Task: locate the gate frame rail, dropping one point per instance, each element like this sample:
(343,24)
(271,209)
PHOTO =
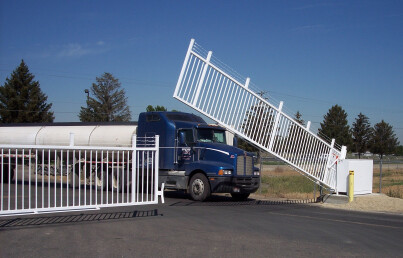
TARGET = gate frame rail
(69,208)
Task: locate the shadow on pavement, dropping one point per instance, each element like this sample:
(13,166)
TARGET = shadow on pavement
(54,220)
(221,200)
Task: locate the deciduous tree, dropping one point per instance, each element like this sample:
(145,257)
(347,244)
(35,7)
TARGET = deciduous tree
(156,108)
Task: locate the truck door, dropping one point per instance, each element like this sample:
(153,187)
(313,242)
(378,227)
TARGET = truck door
(185,143)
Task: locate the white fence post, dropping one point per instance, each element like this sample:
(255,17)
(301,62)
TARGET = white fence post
(134,169)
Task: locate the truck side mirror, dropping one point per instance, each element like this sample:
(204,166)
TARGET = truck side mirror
(235,141)
(182,141)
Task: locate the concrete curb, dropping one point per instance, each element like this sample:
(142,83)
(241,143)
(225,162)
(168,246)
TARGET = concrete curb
(334,198)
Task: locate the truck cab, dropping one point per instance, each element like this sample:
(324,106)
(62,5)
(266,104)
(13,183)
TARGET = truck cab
(195,157)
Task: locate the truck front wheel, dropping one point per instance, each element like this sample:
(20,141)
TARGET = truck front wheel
(199,187)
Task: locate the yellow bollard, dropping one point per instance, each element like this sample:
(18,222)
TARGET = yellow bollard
(351,186)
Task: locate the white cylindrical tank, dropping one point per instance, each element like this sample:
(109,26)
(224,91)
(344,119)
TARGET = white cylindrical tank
(23,135)
(117,136)
(84,135)
(60,135)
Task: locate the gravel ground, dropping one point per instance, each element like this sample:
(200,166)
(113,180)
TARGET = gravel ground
(370,203)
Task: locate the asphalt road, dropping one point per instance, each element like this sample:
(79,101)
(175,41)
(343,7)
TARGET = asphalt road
(219,228)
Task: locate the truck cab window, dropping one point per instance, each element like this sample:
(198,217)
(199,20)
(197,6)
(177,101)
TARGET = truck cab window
(210,135)
(188,136)
(219,136)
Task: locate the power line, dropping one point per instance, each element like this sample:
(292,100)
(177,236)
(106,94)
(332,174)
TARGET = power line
(122,79)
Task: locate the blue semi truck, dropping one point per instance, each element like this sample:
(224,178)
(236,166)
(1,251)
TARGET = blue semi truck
(195,157)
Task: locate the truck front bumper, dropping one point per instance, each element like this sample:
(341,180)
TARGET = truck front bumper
(234,184)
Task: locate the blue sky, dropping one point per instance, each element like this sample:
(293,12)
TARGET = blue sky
(310,54)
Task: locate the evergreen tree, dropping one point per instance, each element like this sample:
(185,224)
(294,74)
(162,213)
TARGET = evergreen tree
(383,141)
(109,102)
(298,118)
(156,108)
(361,133)
(335,126)
(21,99)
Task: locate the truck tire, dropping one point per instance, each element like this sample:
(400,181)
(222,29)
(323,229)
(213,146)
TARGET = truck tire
(199,187)
(74,179)
(113,182)
(100,180)
(240,196)
(6,177)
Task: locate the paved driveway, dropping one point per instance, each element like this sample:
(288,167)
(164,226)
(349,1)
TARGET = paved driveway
(219,228)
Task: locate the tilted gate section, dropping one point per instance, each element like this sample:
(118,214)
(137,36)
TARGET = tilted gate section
(205,85)
(46,179)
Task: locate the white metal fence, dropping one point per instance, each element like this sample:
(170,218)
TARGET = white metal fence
(36,179)
(211,88)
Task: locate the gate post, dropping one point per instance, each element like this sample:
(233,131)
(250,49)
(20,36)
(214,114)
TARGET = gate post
(156,172)
(274,131)
(134,162)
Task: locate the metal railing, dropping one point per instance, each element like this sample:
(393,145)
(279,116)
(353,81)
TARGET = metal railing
(214,90)
(37,179)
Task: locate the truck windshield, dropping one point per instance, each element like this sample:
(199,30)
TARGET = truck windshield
(210,135)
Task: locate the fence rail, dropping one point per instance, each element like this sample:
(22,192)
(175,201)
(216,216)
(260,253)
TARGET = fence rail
(36,179)
(206,85)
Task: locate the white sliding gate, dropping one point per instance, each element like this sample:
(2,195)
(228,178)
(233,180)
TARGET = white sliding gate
(214,90)
(39,179)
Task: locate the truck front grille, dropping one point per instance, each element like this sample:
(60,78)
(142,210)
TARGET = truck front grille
(244,166)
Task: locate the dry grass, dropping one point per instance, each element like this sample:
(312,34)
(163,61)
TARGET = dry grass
(392,180)
(281,181)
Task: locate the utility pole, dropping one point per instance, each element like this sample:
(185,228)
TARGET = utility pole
(88,95)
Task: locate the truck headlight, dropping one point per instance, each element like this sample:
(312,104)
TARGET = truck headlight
(226,172)
(256,173)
